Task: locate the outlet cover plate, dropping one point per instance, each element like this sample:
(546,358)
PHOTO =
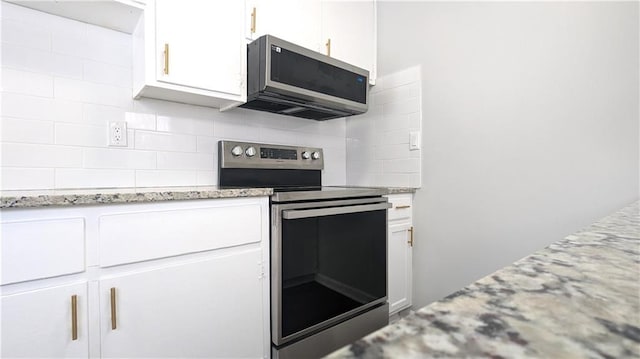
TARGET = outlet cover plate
(118,133)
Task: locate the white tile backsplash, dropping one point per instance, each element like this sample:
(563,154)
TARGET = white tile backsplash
(64,81)
(378,141)
(28,83)
(27,178)
(26,131)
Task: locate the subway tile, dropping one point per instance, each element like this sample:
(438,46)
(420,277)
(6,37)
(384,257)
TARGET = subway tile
(160,141)
(39,108)
(401,107)
(27,83)
(415,180)
(109,46)
(390,152)
(101,115)
(393,137)
(403,77)
(16,32)
(27,131)
(35,155)
(207,144)
(392,180)
(27,178)
(108,74)
(406,165)
(392,122)
(93,178)
(185,161)
(118,158)
(232,130)
(41,61)
(141,121)
(192,126)
(398,94)
(415,121)
(156,178)
(207,178)
(88,92)
(81,135)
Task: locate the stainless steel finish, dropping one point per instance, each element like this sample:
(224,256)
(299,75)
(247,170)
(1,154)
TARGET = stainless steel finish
(230,160)
(333,338)
(236,151)
(327,193)
(250,152)
(308,95)
(307,213)
(277,210)
(315,155)
(306,155)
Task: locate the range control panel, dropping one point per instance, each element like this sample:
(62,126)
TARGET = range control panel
(233,154)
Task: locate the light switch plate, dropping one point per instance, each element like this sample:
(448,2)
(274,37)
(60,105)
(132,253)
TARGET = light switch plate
(414,140)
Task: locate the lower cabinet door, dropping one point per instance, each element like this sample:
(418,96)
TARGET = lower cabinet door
(45,323)
(400,266)
(209,309)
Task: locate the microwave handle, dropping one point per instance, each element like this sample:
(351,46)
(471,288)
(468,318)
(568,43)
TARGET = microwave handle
(319,212)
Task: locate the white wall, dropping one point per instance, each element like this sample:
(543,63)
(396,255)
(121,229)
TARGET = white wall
(63,81)
(378,152)
(530,126)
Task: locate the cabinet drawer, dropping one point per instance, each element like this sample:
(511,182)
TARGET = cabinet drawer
(36,249)
(401,207)
(135,237)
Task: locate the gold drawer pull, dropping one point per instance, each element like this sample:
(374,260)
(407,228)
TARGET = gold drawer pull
(328,45)
(166,59)
(74,317)
(411,237)
(403,207)
(113,309)
(253,20)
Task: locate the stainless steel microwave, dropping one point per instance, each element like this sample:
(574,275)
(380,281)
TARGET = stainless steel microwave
(288,79)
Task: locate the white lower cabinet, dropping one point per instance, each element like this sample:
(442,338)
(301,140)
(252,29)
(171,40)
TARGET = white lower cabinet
(209,308)
(400,251)
(41,323)
(171,279)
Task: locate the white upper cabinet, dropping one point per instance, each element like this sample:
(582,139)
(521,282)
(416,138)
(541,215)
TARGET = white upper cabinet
(345,30)
(296,21)
(191,51)
(349,33)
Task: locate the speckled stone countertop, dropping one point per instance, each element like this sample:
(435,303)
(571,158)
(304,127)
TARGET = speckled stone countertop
(577,298)
(74,197)
(89,196)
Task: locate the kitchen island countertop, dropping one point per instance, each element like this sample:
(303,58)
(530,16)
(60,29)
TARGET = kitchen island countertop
(577,298)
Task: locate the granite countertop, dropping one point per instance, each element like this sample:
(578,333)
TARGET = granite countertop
(577,298)
(89,196)
(73,197)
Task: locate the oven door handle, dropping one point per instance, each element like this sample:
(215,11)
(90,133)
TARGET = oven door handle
(319,212)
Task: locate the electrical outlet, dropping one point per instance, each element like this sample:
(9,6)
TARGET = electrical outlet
(118,133)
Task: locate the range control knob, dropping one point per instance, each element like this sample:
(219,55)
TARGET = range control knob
(250,152)
(306,155)
(315,155)
(236,151)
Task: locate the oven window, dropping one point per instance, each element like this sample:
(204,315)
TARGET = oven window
(331,265)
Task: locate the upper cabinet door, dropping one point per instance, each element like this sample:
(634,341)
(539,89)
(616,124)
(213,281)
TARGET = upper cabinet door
(197,45)
(296,21)
(351,28)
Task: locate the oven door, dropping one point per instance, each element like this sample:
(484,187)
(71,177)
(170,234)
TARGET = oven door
(328,264)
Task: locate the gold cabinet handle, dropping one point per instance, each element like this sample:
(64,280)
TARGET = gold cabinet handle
(403,207)
(411,237)
(253,20)
(74,317)
(113,309)
(166,59)
(328,45)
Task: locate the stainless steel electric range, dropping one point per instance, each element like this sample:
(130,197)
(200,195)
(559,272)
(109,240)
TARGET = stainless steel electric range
(328,248)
